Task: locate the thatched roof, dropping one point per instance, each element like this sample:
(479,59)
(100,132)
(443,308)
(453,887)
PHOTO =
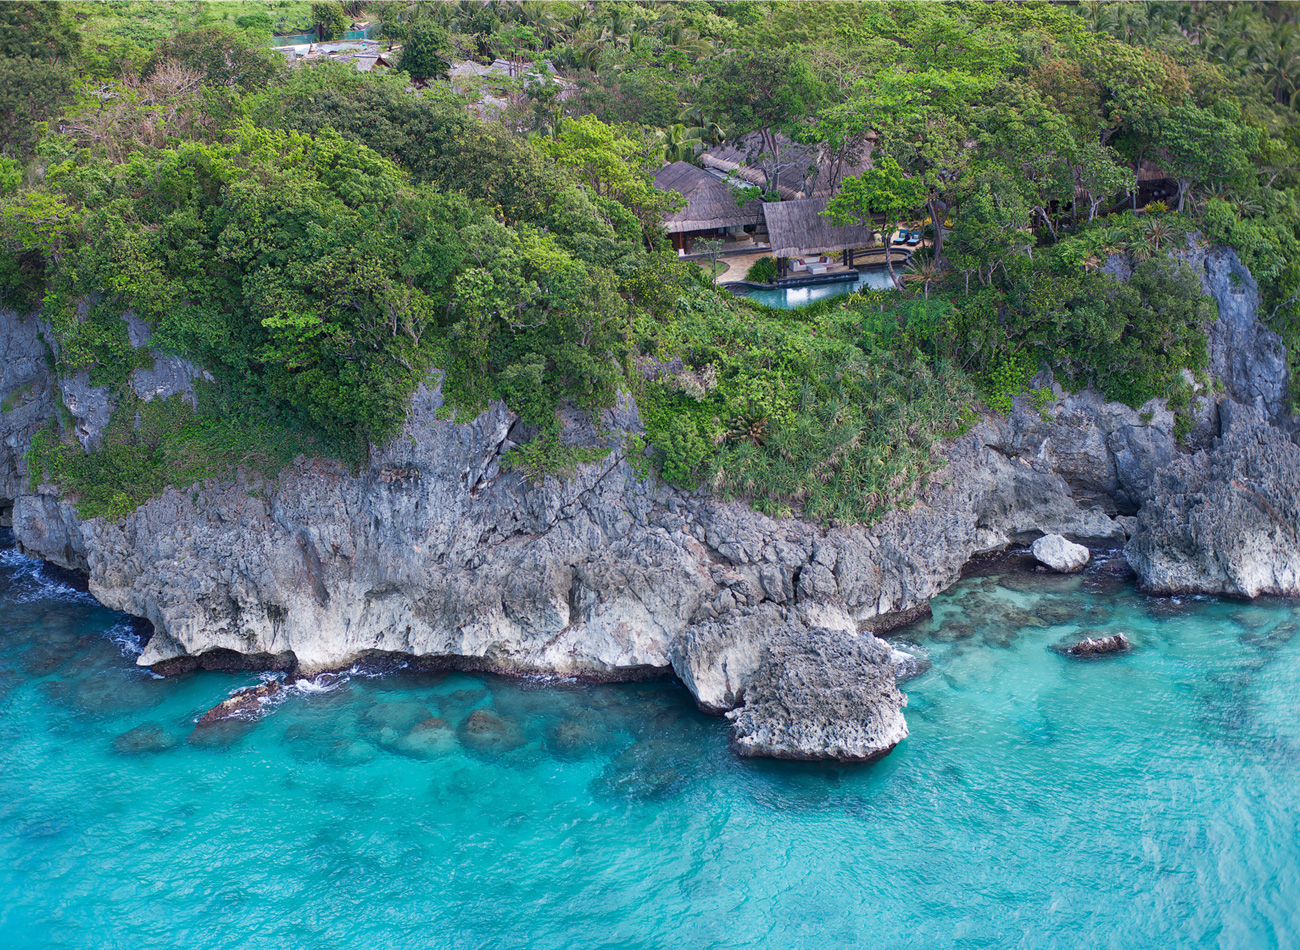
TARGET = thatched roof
(1150,171)
(799,229)
(801,170)
(710,203)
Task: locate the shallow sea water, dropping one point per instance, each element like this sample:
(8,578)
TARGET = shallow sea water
(1144,800)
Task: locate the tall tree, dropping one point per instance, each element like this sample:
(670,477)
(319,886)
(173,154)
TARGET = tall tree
(766,91)
(30,92)
(883,190)
(426,54)
(925,126)
(329,19)
(41,30)
(1203,145)
(1099,175)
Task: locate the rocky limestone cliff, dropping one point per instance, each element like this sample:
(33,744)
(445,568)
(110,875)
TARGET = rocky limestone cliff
(433,550)
(1225,521)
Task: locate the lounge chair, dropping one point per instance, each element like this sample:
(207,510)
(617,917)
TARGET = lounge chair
(914,238)
(901,236)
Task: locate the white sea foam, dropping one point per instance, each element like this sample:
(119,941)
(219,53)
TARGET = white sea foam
(322,683)
(30,583)
(127,639)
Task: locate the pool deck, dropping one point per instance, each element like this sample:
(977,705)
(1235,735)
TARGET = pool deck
(738,265)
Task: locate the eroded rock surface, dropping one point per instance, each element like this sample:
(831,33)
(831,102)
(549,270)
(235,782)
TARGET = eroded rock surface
(820,690)
(1225,521)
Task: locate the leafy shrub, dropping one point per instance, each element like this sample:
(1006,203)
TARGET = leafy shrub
(762,271)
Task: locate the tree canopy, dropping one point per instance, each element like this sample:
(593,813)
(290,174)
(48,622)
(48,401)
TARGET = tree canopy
(323,240)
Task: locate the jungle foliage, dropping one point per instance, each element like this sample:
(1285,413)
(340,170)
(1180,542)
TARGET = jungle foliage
(322,239)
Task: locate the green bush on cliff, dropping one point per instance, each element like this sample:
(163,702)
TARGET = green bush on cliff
(793,413)
(321,239)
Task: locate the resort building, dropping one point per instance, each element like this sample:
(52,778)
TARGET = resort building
(804,240)
(711,209)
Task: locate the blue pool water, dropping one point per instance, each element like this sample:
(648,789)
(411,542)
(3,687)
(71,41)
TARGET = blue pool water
(1142,801)
(788,298)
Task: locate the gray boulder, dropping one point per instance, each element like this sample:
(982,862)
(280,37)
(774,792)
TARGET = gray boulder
(91,408)
(1060,554)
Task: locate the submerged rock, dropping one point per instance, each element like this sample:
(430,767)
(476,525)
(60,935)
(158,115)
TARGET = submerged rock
(221,734)
(145,740)
(1060,554)
(398,716)
(429,739)
(488,732)
(648,771)
(580,735)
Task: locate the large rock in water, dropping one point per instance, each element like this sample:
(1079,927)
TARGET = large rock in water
(802,683)
(1060,554)
(1225,521)
(820,690)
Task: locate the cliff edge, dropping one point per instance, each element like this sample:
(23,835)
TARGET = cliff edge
(434,550)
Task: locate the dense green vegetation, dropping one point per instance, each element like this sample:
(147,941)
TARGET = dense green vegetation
(322,239)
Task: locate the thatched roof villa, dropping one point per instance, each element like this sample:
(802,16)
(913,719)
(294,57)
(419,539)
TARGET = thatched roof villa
(799,229)
(711,209)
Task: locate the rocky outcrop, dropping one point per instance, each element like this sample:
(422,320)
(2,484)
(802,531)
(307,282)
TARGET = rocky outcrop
(27,399)
(1246,356)
(247,703)
(820,690)
(1226,520)
(1100,646)
(435,550)
(1054,551)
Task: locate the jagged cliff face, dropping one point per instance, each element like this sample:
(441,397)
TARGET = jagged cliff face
(434,551)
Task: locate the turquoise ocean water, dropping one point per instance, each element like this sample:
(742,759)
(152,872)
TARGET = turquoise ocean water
(1146,800)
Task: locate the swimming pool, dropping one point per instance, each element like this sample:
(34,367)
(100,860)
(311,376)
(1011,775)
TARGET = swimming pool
(789,298)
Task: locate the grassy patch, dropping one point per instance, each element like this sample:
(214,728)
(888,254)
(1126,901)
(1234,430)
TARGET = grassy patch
(15,398)
(150,446)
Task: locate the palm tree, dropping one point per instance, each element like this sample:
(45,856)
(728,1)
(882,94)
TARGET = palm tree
(707,131)
(923,272)
(541,16)
(680,144)
(1279,64)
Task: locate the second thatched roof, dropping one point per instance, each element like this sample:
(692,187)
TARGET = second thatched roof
(799,229)
(709,202)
